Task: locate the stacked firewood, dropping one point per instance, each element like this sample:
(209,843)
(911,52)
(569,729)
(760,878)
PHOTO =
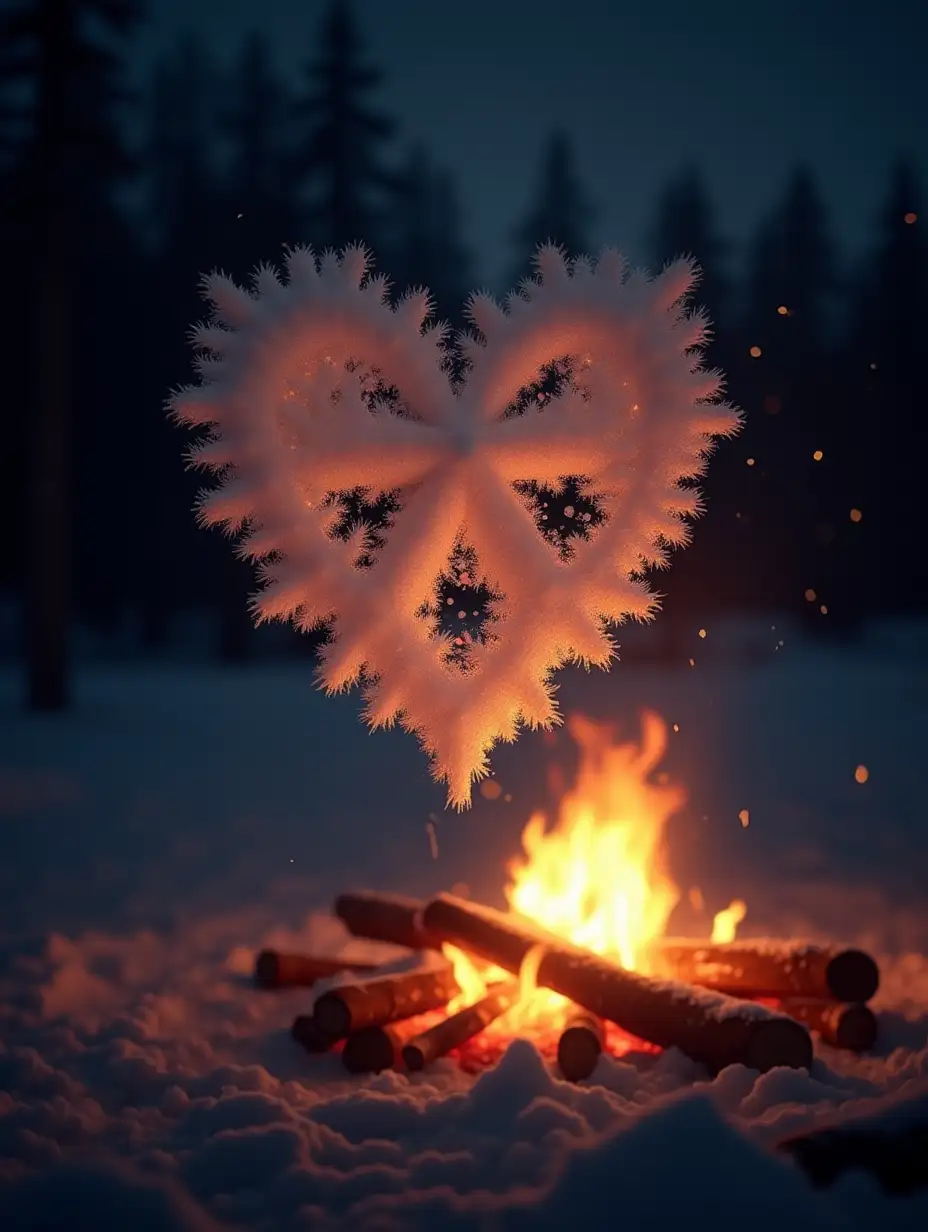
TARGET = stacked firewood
(750,1003)
(825,987)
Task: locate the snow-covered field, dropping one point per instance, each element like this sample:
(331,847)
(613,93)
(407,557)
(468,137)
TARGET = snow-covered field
(182,817)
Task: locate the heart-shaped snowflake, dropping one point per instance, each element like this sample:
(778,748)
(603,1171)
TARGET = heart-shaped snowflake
(296,381)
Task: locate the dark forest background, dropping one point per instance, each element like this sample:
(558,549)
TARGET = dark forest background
(812,512)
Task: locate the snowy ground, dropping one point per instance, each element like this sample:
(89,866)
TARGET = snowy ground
(183,817)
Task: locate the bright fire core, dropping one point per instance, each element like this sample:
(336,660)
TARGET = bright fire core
(598,877)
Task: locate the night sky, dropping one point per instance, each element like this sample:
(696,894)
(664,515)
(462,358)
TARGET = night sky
(742,89)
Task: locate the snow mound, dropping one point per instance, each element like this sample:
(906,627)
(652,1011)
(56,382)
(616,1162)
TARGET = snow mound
(146,1082)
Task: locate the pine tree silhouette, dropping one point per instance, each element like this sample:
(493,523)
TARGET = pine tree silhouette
(784,373)
(454,261)
(412,245)
(684,226)
(704,577)
(72,154)
(258,219)
(429,250)
(259,206)
(885,401)
(560,212)
(16,264)
(792,265)
(191,225)
(184,187)
(338,157)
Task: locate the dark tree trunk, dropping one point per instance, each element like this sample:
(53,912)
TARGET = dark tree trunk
(71,158)
(49,557)
(48,580)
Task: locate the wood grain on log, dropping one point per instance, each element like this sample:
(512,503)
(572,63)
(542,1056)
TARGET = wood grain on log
(853,1027)
(460,1027)
(274,969)
(371,1050)
(580,1046)
(770,969)
(707,1026)
(307,1035)
(384,999)
(392,918)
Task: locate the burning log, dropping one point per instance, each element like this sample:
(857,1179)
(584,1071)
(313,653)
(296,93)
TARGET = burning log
(853,1027)
(580,1046)
(708,1027)
(460,1027)
(307,1034)
(392,918)
(384,999)
(371,1050)
(274,969)
(771,969)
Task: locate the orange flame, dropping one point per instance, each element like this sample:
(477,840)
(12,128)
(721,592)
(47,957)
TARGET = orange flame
(726,922)
(598,877)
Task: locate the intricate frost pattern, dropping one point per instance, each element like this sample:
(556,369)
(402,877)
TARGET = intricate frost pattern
(316,386)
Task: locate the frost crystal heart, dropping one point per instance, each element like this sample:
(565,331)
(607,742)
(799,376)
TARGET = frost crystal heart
(317,385)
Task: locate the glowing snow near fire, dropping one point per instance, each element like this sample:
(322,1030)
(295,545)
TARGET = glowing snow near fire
(598,876)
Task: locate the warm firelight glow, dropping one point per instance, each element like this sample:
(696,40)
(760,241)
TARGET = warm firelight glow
(597,876)
(725,924)
(470,981)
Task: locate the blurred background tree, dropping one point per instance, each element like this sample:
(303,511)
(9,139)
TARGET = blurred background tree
(231,164)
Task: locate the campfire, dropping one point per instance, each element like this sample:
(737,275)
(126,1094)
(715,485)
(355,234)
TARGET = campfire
(580,963)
